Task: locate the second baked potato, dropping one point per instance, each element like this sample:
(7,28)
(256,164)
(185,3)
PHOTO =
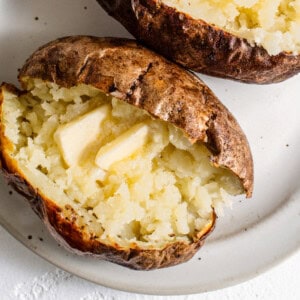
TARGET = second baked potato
(124,155)
(255,41)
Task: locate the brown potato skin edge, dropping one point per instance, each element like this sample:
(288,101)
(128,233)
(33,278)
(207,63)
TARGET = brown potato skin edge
(79,241)
(138,76)
(198,45)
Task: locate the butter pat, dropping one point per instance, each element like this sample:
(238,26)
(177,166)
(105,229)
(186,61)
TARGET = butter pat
(123,146)
(72,138)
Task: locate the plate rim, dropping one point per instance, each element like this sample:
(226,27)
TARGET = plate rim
(152,291)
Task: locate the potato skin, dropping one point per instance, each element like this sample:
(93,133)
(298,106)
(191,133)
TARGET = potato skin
(139,77)
(200,46)
(130,72)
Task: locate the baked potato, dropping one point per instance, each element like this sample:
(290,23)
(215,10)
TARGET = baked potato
(255,41)
(124,155)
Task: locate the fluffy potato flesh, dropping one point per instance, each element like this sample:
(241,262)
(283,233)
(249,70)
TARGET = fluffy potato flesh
(133,180)
(275,25)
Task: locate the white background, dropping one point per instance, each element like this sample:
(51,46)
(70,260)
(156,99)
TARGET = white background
(25,276)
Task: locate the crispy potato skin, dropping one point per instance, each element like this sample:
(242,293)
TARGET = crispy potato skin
(126,70)
(139,77)
(199,46)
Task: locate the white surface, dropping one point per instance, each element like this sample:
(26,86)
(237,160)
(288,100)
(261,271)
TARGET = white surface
(25,276)
(249,239)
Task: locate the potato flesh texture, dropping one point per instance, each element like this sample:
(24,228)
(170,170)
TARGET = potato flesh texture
(159,195)
(275,25)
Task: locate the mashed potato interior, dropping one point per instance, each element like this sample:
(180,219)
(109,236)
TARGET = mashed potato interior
(149,187)
(275,25)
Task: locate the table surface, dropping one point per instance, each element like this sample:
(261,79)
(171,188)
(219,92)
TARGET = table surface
(25,276)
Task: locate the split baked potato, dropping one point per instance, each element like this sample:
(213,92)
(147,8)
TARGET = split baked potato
(124,155)
(254,41)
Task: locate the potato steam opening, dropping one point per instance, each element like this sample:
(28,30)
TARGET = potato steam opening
(123,176)
(275,25)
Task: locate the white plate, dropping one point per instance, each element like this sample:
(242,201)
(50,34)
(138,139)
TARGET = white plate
(251,238)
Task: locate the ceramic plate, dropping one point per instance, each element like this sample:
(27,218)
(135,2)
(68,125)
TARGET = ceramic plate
(249,239)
